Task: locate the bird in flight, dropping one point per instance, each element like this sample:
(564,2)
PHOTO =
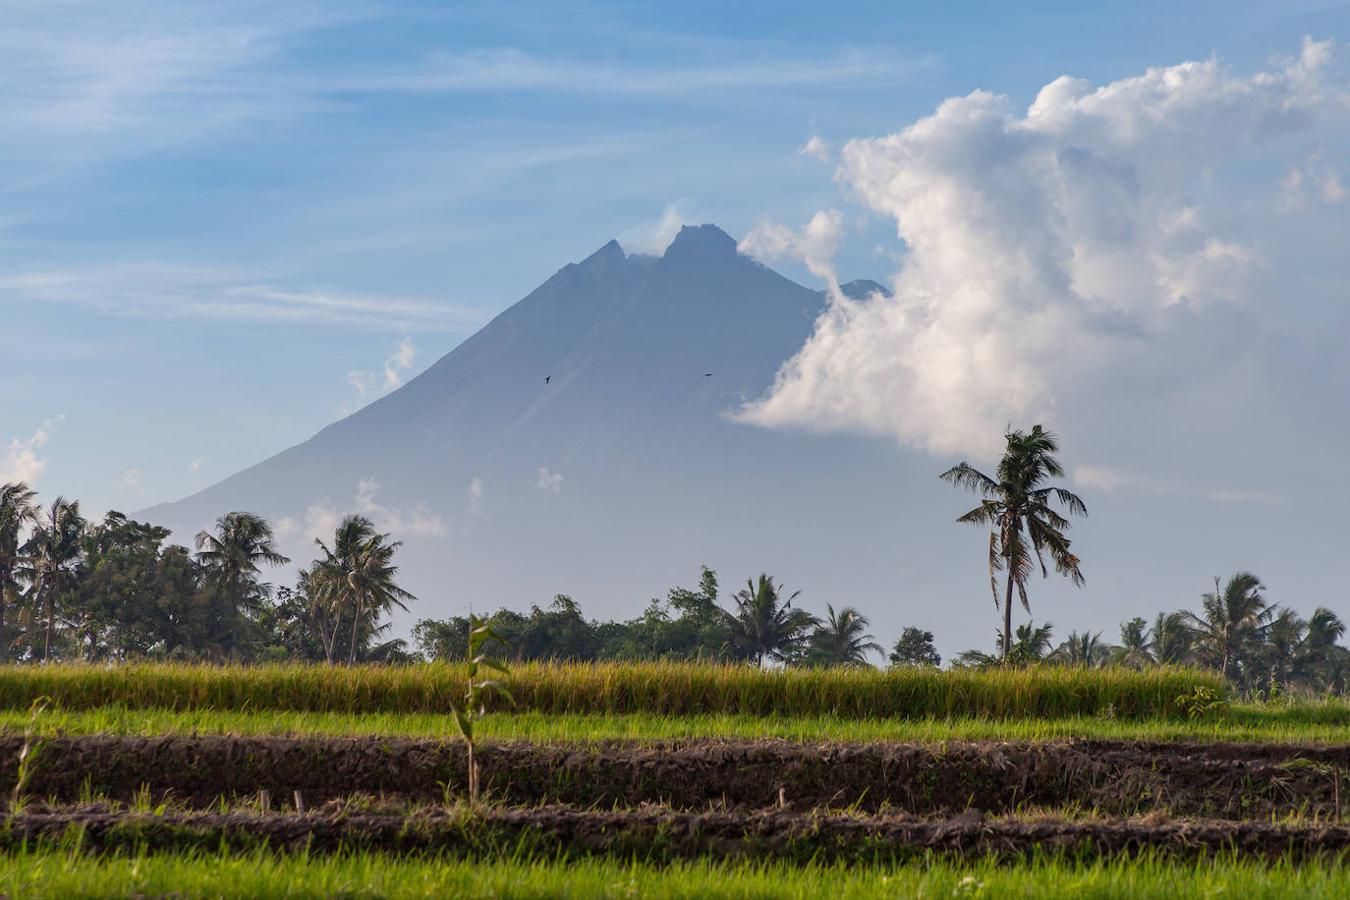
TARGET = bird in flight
(547,378)
(707,374)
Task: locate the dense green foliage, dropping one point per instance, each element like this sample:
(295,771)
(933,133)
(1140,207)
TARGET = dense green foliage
(658,688)
(115,590)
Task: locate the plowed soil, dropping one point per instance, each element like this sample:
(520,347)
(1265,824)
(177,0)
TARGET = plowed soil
(1225,781)
(660,835)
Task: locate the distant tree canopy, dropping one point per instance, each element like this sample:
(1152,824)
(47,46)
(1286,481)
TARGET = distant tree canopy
(915,648)
(115,590)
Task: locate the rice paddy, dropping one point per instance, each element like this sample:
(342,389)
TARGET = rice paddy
(60,874)
(669,780)
(659,689)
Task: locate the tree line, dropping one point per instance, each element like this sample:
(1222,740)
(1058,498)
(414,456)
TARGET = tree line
(114,589)
(1263,648)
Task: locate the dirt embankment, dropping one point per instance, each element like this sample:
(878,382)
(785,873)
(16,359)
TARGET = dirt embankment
(662,835)
(1231,781)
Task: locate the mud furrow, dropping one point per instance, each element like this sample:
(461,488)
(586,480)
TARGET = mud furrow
(665,835)
(1231,781)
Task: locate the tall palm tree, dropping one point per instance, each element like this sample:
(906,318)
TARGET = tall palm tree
(1032,644)
(1170,638)
(1017,507)
(17,511)
(766,625)
(841,639)
(356,578)
(231,559)
(1084,650)
(51,554)
(1318,654)
(1233,621)
(1283,647)
(1135,650)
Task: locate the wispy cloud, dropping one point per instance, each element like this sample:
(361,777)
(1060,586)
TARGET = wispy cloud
(139,74)
(816,148)
(1110,479)
(510,69)
(132,482)
(655,236)
(549,480)
(395,366)
(321,518)
(165,292)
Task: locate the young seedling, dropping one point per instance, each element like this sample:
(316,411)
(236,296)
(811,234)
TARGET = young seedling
(28,753)
(478,691)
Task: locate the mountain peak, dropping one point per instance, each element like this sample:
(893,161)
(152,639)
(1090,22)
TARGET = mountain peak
(607,255)
(701,242)
(862,288)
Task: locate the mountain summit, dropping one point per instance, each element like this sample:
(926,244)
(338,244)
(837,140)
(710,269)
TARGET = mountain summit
(580,443)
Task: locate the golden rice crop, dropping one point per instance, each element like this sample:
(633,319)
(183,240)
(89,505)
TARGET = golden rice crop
(659,688)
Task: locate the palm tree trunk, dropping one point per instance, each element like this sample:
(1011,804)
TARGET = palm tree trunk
(5,576)
(47,641)
(1007,617)
(330,641)
(356,623)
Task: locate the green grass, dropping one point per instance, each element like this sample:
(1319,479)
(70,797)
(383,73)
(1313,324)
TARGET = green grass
(653,688)
(1301,723)
(51,874)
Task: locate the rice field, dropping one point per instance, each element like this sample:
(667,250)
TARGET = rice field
(1295,723)
(657,689)
(658,780)
(59,874)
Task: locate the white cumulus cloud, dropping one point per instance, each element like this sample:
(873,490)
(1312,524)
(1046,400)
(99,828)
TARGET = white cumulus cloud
(815,243)
(1050,253)
(21,461)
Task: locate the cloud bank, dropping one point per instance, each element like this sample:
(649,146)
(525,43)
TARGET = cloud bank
(1086,243)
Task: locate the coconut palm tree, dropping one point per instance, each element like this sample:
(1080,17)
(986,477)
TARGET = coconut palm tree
(1233,622)
(1319,651)
(1170,639)
(1032,644)
(1023,526)
(1135,650)
(765,625)
(17,512)
(51,555)
(1083,650)
(1297,652)
(231,560)
(355,579)
(841,639)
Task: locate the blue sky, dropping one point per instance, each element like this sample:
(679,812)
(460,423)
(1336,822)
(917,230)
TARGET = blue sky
(224,225)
